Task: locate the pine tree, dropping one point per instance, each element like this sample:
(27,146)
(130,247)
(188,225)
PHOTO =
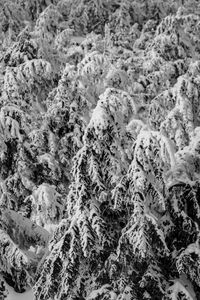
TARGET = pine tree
(88,198)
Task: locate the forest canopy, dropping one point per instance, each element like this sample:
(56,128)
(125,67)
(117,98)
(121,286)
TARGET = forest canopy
(100,149)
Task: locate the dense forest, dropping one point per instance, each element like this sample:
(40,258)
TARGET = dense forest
(100,149)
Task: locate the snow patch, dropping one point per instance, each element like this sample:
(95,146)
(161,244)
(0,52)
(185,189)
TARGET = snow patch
(18,296)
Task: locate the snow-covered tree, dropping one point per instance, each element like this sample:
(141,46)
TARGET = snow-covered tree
(96,168)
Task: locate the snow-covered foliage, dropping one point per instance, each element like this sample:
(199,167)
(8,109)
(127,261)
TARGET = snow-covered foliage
(99,149)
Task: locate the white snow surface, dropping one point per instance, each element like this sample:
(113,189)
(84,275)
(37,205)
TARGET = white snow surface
(17,296)
(12,295)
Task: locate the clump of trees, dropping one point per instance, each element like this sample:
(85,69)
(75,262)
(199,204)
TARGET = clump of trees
(99,149)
